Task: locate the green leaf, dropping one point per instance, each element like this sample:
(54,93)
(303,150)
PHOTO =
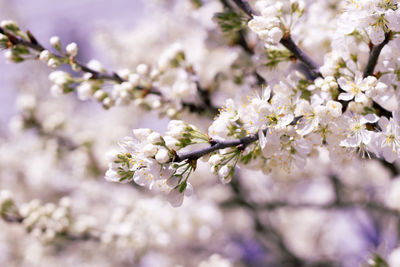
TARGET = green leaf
(276,56)
(230,21)
(197,3)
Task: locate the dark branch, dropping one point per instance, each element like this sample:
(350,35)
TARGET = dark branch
(240,143)
(288,42)
(245,6)
(369,70)
(35,45)
(216,145)
(374,55)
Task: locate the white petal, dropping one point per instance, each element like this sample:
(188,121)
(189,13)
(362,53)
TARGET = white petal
(389,155)
(346,96)
(369,118)
(343,83)
(361,98)
(377,35)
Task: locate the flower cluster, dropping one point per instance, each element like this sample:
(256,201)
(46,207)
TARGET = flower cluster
(377,17)
(45,221)
(147,159)
(272,24)
(279,129)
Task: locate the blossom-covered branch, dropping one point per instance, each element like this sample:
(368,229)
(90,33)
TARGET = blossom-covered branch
(46,221)
(270,28)
(127,86)
(32,43)
(217,145)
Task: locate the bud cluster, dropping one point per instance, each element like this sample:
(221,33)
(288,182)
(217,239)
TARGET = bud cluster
(147,158)
(45,221)
(276,18)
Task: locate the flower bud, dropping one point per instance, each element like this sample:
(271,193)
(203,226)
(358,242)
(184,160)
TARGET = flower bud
(149,150)
(142,69)
(100,94)
(72,49)
(44,56)
(162,155)
(53,63)
(55,42)
(142,133)
(215,159)
(154,138)
(95,65)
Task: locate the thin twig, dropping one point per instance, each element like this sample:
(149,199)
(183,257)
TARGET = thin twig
(204,107)
(39,48)
(245,6)
(287,42)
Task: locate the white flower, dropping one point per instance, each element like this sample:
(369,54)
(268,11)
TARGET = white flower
(53,63)
(44,56)
(85,90)
(215,159)
(334,108)
(275,35)
(354,89)
(267,27)
(95,65)
(142,133)
(175,197)
(72,49)
(223,173)
(219,128)
(142,69)
(377,35)
(176,129)
(134,79)
(154,138)
(357,134)
(149,150)
(162,155)
(55,41)
(132,163)
(60,77)
(390,137)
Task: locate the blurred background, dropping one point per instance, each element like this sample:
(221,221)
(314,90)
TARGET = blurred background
(72,20)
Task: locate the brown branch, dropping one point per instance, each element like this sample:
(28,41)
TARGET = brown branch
(245,6)
(374,55)
(36,46)
(216,145)
(288,42)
